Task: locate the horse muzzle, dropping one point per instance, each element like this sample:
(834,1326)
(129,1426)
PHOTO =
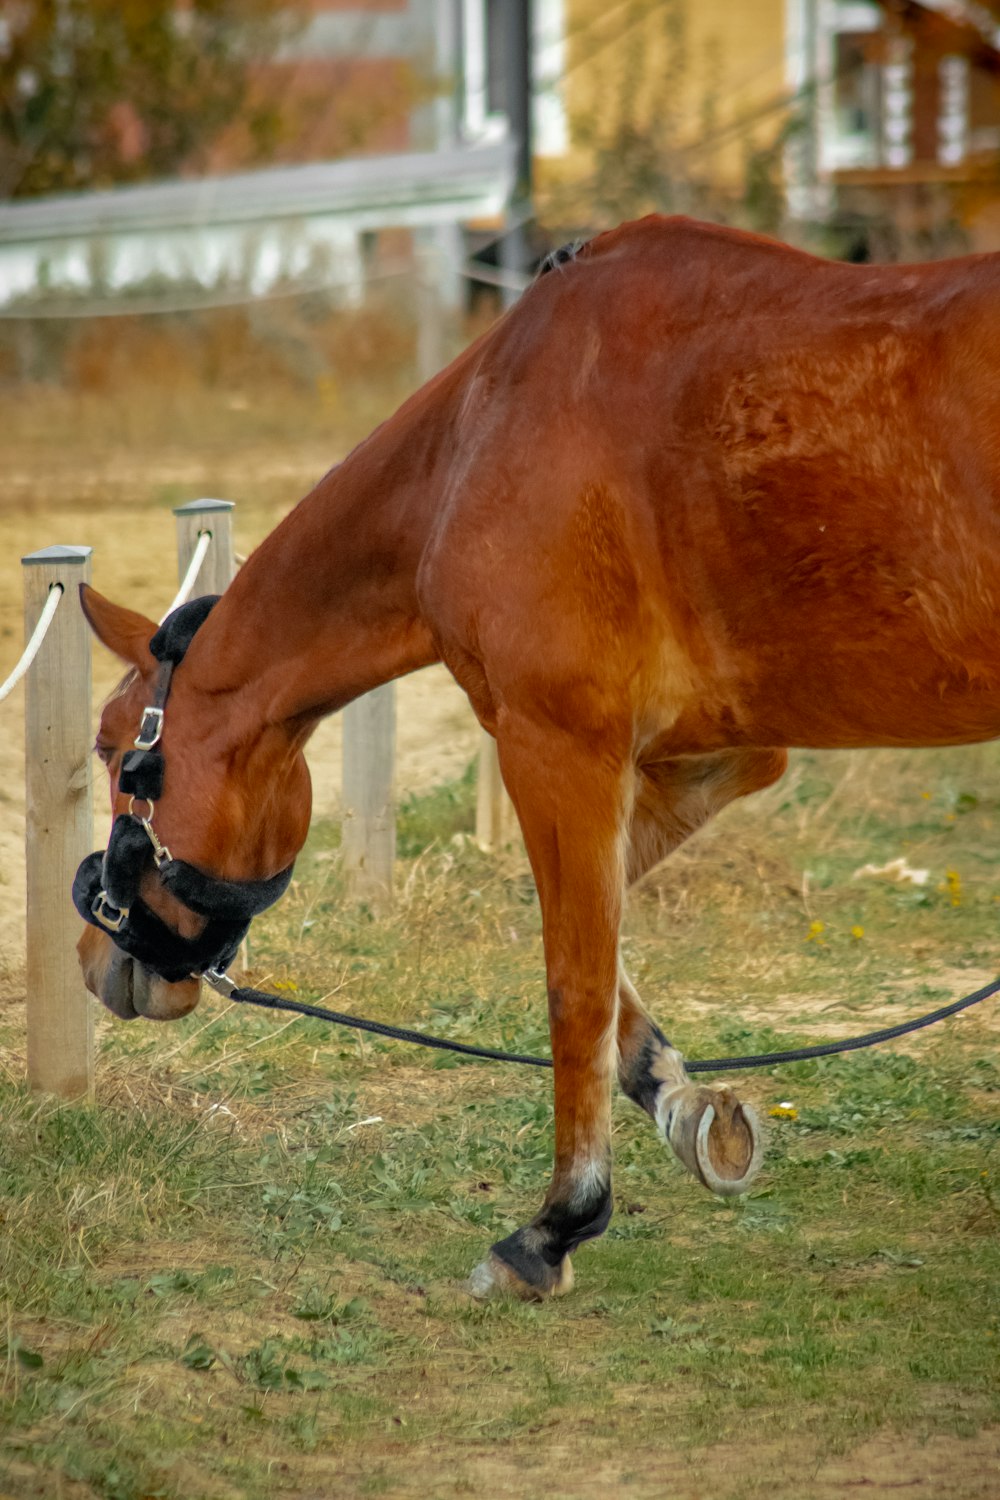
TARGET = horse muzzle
(113,905)
(127,989)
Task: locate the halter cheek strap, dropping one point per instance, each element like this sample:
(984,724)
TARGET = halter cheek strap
(121,868)
(234,900)
(106,888)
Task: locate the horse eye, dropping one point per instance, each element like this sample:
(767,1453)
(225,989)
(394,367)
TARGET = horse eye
(104,751)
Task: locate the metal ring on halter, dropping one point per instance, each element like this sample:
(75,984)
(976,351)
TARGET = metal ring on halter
(161,854)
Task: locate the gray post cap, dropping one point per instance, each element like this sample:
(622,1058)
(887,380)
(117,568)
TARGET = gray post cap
(201,507)
(66,555)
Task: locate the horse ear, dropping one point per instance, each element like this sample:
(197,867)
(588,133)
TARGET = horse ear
(123,631)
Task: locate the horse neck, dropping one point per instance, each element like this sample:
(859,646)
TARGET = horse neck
(326,608)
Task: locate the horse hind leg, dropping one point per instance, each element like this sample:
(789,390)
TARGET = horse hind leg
(710,1131)
(715,1136)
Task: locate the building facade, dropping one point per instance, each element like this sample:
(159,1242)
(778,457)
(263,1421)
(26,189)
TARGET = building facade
(877,121)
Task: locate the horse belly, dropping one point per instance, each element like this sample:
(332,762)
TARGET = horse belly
(892,663)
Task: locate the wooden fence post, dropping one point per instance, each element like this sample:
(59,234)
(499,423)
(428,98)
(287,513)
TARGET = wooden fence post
(58,824)
(369,815)
(368,830)
(496,820)
(431,332)
(218,569)
(489,791)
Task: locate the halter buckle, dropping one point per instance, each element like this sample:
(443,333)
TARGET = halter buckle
(150,728)
(220,982)
(102,910)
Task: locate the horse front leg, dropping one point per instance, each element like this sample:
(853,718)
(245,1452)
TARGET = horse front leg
(573,808)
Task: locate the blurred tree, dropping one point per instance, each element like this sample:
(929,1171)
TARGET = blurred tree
(636,140)
(98,92)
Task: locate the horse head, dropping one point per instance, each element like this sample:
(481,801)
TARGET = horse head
(210,800)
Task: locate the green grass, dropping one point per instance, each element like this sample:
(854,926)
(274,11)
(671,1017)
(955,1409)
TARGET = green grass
(222,1282)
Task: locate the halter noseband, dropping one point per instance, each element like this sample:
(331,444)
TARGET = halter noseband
(106,887)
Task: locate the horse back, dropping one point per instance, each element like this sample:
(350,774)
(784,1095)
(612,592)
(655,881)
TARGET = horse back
(754,496)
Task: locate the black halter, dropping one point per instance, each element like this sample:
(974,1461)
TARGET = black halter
(106,888)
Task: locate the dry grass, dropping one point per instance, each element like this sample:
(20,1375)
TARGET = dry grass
(264,1297)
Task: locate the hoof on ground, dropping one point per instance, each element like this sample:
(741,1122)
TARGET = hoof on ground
(494,1278)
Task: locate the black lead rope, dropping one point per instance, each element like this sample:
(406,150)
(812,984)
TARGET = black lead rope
(248,996)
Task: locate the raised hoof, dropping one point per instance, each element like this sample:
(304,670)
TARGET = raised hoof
(493,1277)
(716,1137)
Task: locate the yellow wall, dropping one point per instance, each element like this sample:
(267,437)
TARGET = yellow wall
(706,75)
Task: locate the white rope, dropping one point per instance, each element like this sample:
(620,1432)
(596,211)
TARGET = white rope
(33,647)
(473,270)
(194,567)
(122,306)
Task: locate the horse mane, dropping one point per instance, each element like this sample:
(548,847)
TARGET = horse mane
(558,258)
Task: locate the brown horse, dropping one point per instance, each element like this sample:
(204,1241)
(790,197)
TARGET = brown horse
(696,498)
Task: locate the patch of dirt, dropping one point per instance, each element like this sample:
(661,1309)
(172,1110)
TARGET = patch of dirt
(882,1468)
(25,1481)
(841,1018)
(944,1468)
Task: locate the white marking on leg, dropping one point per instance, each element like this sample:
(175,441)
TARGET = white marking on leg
(590,1180)
(591,1164)
(483,1281)
(669,1067)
